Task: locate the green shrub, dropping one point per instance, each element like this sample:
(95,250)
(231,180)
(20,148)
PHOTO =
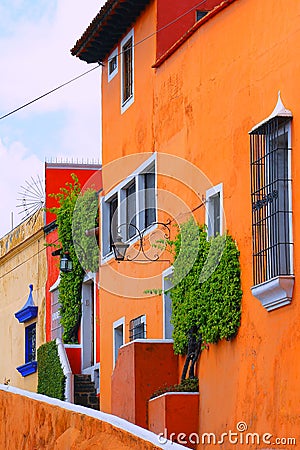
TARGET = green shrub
(188,385)
(209,294)
(51,379)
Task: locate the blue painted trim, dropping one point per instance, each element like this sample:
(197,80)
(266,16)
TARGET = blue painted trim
(27,369)
(29,310)
(26,314)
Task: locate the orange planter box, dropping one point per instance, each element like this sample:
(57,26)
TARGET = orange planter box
(175,416)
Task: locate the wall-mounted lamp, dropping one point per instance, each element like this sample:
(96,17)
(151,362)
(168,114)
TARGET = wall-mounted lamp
(66,264)
(120,247)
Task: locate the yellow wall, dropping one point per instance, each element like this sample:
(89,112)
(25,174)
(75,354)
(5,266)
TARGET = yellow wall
(22,262)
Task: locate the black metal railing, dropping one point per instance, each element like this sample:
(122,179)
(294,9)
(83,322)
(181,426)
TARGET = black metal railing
(271,200)
(137,328)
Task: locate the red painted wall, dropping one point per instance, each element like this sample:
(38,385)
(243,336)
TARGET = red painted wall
(58,174)
(177,413)
(168,35)
(56,177)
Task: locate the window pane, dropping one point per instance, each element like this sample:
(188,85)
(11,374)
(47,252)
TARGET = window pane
(113,220)
(56,328)
(30,343)
(137,328)
(127,70)
(131,211)
(214,215)
(150,207)
(112,64)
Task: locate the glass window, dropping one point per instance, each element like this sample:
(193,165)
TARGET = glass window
(112,65)
(214,210)
(271,205)
(56,328)
(131,210)
(30,343)
(113,220)
(137,328)
(127,70)
(150,209)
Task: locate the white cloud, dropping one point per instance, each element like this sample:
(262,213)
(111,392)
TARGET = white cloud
(17,165)
(36,58)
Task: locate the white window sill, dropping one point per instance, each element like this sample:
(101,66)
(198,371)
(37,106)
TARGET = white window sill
(276,292)
(128,102)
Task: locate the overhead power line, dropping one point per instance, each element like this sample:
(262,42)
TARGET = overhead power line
(49,92)
(100,63)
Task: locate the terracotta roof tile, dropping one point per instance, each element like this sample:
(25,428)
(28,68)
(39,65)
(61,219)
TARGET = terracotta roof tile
(106,29)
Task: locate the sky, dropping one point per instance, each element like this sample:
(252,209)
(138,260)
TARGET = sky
(35,41)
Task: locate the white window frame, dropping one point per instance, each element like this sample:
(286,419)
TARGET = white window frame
(86,280)
(111,75)
(52,289)
(166,285)
(210,194)
(128,102)
(117,324)
(144,321)
(278,291)
(120,191)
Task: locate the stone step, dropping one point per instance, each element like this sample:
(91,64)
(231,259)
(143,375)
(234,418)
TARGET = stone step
(84,392)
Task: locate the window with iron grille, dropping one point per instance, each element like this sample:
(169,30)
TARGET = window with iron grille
(137,328)
(30,343)
(270,146)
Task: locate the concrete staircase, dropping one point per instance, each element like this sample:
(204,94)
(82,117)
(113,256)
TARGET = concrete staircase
(84,392)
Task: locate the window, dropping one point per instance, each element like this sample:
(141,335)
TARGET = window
(30,343)
(56,327)
(149,186)
(131,210)
(130,206)
(214,210)
(167,284)
(113,220)
(118,337)
(137,328)
(112,65)
(127,71)
(270,147)
(271,209)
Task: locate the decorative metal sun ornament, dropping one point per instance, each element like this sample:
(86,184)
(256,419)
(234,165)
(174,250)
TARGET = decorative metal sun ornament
(32,197)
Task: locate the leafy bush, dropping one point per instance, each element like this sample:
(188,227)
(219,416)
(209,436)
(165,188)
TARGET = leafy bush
(76,212)
(209,294)
(51,378)
(188,385)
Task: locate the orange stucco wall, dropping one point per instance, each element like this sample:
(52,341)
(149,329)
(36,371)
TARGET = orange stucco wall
(199,105)
(139,371)
(29,424)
